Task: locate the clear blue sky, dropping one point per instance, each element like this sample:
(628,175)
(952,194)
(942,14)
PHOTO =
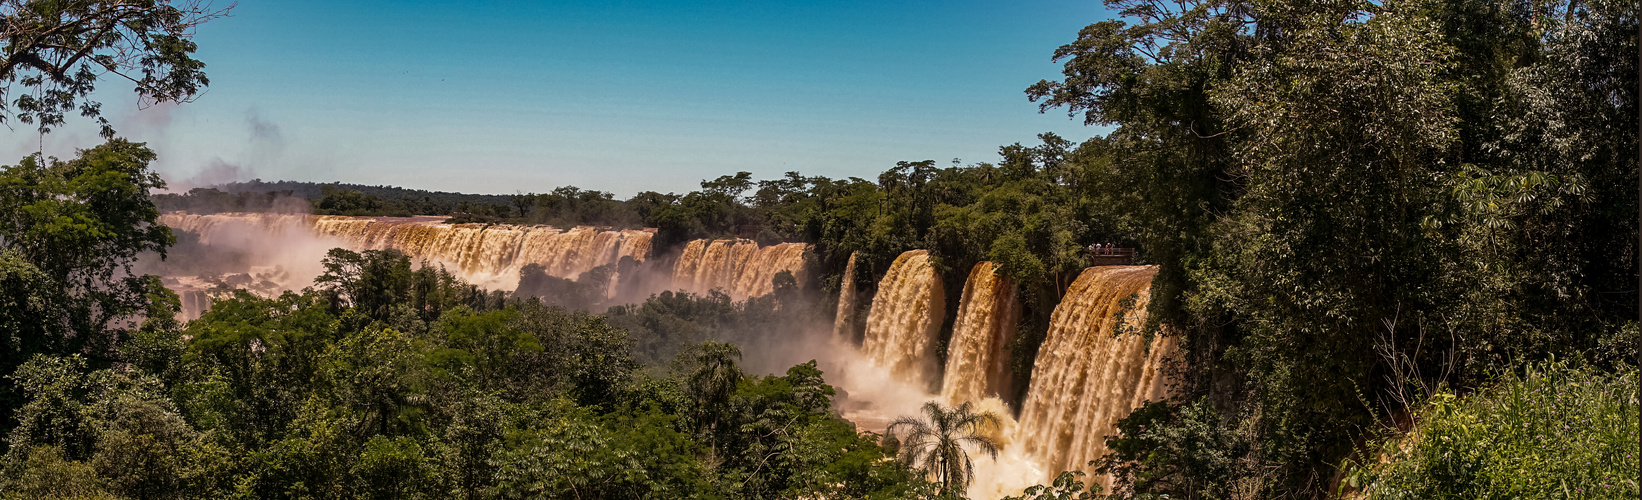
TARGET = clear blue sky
(504,97)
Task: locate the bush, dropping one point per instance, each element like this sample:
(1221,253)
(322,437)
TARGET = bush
(1552,431)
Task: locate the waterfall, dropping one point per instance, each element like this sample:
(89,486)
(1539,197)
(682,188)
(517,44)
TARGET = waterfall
(977,362)
(195,294)
(1086,377)
(194,304)
(906,318)
(493,253)
(214,228)
(843,323)
(488,255)
(739,267)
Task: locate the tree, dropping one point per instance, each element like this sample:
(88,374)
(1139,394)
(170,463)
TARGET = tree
(714,379)
(485,342)
(1066,486)
(81,223)
(378,375)
(335,201)
(29,323)
(373,281)
(123,425)
(939,446)
(727,187)
(58,49)
(523,202)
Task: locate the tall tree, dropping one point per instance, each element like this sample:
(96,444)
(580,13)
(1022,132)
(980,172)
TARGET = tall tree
(939,443)
(82,223)
(713,380)
(373,282)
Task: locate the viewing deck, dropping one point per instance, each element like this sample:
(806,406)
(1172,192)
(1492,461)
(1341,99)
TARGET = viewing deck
(1110,256)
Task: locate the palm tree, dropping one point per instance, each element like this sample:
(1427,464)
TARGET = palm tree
(714,380)
(716,373)
(939,445)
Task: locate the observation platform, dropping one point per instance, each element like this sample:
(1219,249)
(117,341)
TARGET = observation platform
(1110,256)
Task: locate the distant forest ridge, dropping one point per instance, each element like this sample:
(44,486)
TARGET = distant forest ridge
(316,190)
(333,199)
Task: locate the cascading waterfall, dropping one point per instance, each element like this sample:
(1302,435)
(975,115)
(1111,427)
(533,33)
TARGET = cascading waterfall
(843,323)
(487,255)
(194,304)
(197,292)
(902,327)
(245,234)
(490,254)
(977,361)
(906,318)
(1087,377)
(219,226)
(739,267)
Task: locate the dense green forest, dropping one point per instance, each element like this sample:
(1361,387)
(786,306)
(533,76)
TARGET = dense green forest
(1370,219)
(392,382)
(331,199)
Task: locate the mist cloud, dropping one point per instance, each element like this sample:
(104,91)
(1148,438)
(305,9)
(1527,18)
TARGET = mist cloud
(148,122)
(217,172)
(261,129)
(264,146)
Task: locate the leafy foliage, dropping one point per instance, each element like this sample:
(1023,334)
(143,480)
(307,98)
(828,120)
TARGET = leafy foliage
(57,50)
(1551,429)
(345,390)
(938,445)
(1066,486)
(69,234)
(1351,199)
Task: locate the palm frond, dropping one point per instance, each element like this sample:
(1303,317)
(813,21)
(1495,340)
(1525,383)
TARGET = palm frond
(937,444)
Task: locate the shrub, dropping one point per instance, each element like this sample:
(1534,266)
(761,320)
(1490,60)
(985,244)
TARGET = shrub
(1552,431)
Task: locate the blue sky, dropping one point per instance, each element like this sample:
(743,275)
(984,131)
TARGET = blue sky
(505,97)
